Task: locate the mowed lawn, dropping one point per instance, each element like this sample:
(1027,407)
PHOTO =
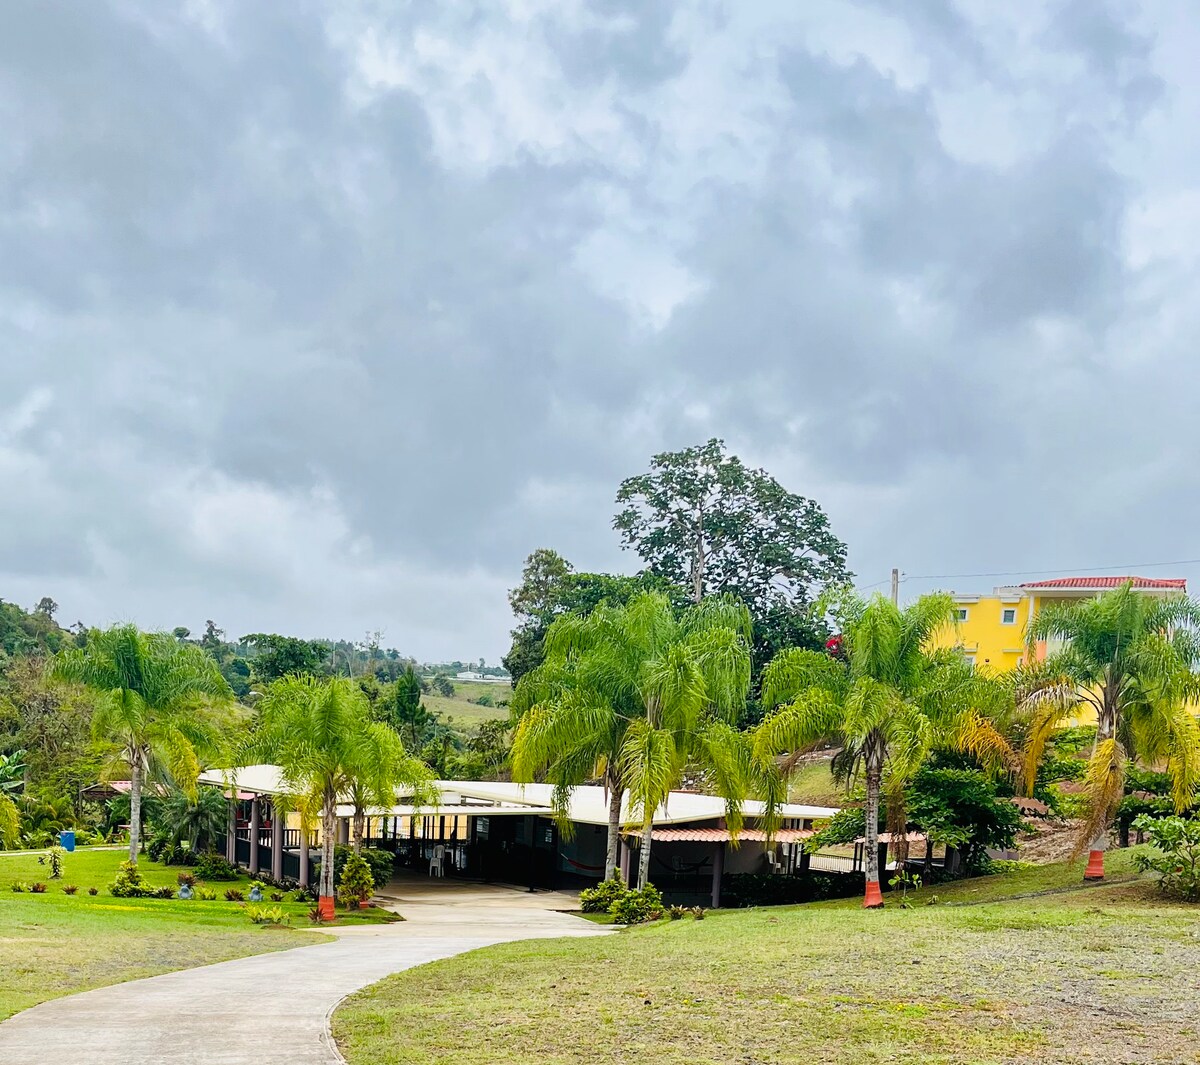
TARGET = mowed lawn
(56,944)
(1104,974)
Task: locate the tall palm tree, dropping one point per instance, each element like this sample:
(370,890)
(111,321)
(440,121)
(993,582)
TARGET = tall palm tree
(633,694)
(319,732)
(152,693)
(886,698)
(200,817)
(1130,659)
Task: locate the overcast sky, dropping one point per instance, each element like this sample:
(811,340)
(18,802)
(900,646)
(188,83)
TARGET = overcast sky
(319,318)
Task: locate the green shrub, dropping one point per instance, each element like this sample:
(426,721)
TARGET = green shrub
(699,912)
(1174,854)
(599,899)
(767,889)
(356,883)
(635,907)
(164,892)
(205,894)
(677,913)
(55,856)
(211,866)
(267,915)
(276,896)
(129,883)
(156,846)
(234,895)
(19,886)
(93,891)
(381,863)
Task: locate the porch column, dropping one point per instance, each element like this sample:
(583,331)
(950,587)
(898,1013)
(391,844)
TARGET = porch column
(254,827)
(343,830)
(805,858)
(276,844)
(303,856)
(624,862)
(231,833)
(718,872)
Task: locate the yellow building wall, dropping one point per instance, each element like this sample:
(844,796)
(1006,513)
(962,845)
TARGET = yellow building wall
(982,635)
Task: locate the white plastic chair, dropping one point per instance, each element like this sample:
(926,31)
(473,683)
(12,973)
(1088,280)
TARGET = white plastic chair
(437,864)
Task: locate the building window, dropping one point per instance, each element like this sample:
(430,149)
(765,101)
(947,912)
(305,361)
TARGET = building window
(961,612)
(1008,616)
(970,660)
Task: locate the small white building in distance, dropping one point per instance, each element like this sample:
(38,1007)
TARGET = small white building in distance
(469,674)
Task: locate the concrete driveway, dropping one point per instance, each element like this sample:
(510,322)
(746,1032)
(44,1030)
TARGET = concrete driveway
(273,1009)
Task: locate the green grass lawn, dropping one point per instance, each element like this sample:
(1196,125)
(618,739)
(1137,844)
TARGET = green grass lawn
(1103,974)
(466,714)
(813,784)
(56,944)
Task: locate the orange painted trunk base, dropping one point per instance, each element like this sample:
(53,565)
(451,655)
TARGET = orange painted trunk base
(873,897)
(325,906)
(1095,866)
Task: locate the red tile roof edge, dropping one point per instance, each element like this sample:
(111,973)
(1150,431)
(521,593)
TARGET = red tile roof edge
(1109,582)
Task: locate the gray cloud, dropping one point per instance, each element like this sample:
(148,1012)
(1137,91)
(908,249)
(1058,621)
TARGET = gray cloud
(320,322)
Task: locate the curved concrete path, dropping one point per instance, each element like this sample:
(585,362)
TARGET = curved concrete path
(273,1009)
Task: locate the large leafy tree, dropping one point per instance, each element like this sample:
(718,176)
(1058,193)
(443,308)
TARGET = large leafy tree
(702,519)
(151,695)
(632,695)
(319,732)
(1131,660)
(550,588)
(887,699)
(276,656)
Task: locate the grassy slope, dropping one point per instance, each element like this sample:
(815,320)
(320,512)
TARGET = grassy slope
(56,944)
(467,714)
(1102,974)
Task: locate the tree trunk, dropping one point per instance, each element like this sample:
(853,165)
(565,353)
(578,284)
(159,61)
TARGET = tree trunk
(360,818)
(644,855)
(135,803)
(1106,729)
(873,896)
(325,892)
(614,831)
(698,560)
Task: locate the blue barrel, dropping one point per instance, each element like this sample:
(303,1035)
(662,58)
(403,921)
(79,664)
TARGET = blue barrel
(66,840)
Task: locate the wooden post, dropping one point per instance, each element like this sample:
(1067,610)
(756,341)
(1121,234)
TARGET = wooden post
(276,844)
(303,856)
(718,872)
(231,833)
(255,825)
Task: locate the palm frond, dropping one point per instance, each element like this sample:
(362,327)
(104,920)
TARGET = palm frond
(1104,785)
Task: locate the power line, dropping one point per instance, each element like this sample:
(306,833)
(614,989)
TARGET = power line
(1045,572)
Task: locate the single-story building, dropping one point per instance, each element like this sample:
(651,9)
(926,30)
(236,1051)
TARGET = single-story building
(505,832)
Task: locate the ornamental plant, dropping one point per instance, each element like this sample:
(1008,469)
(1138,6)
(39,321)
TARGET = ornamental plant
(1174,854)
(599,899)
(356,883)
(55,857)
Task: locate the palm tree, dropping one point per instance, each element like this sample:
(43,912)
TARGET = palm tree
(1131,659)
(152,691)
(634,695)
(888,700)
(200,817)
(319,732)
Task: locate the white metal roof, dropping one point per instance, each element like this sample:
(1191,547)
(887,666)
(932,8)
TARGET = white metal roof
(589,803)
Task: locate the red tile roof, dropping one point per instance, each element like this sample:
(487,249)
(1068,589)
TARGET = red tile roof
(1111,582)
(723,835)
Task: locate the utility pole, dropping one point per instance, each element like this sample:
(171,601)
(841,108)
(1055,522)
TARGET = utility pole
(896,586)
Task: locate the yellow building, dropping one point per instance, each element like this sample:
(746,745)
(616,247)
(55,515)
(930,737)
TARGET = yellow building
(991,628)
